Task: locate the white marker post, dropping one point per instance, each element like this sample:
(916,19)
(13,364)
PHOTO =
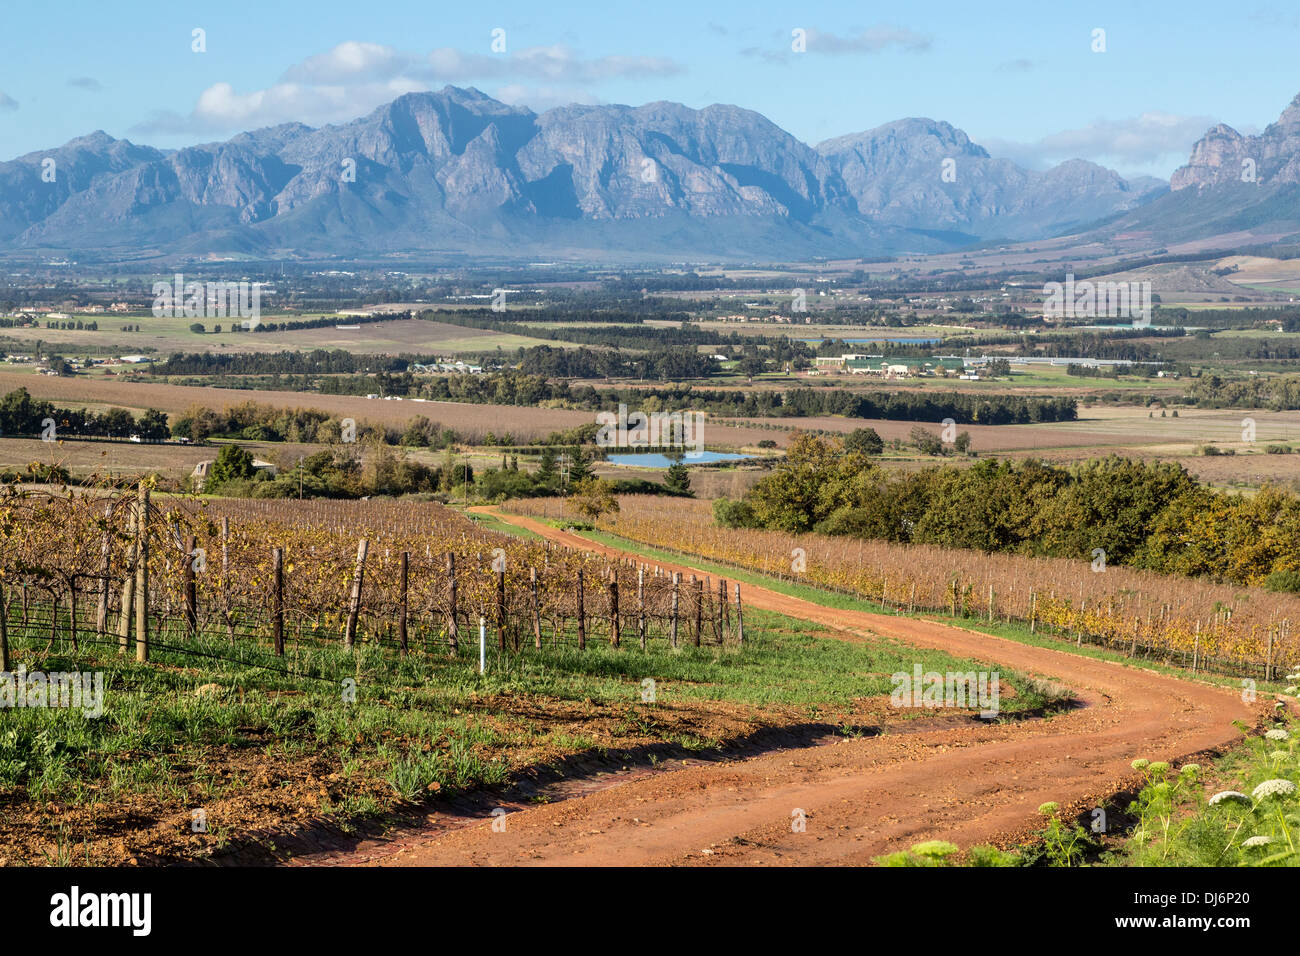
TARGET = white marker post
(482,645)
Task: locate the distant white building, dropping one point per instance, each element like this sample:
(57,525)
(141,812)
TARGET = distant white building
(199,476)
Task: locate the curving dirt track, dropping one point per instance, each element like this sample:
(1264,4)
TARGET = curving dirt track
(867,796)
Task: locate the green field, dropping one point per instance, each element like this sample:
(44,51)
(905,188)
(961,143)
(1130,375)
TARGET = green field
(253,739)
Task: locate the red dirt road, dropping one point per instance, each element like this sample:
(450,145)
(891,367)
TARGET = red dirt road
(867,796)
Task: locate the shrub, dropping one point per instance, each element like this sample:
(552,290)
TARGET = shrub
(734,514)
(1283,581)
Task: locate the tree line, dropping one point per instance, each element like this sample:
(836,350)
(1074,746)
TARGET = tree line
(20,414)
(1148,515)
(1275,392)
(315,362)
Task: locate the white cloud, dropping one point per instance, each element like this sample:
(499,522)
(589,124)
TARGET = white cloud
(1154,142)
(88,83)
(873,40)
(222,109)
(554,63)
(355,77)
(353,61)
(877,39)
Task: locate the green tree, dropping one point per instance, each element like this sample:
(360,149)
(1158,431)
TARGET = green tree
(866,441)
(579,468)
(546,470)
(816,479)
(153,425)
(232,464)
(925,442)
(678,478)
(592,497)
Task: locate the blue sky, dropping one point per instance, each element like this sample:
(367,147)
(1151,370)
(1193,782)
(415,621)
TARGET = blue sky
(1019,77)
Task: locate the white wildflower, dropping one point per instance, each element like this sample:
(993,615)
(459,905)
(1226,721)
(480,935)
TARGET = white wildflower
(1270,788)
(1257,841)
(1278,734)
(1226,796)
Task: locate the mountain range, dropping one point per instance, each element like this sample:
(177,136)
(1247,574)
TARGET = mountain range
(458,172)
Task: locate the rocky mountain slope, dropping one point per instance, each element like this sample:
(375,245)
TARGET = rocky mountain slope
(457,171)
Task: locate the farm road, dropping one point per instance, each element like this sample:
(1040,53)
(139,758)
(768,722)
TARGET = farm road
(862,797)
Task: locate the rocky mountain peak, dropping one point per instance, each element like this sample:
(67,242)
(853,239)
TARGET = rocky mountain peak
(456,168)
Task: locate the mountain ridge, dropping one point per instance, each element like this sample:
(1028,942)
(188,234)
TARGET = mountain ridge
(458,169)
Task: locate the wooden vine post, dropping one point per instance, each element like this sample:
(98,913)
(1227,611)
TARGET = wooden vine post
(453,638)
(277,600)
(501,608)
(613,608)
(640,606)
(582,616)
(128,589)
(404,580)
(740,619)
(142,575)
(699,608)
(225,577)
(190,590)
(105,552)
(676,585)
(536,609)
(354,604)
(720,612)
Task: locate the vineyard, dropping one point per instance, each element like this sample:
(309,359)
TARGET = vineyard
(1238,631)
(116,566)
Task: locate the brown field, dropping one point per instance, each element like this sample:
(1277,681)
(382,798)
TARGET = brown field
(173,335)
(1115,608)
(524,423)
(1100,430)
(109,458)
(114,459)
(1098,426)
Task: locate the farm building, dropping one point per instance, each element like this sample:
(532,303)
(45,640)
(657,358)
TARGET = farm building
(199,476)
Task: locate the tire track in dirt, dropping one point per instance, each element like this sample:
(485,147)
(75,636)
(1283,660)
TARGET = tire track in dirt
(864,797)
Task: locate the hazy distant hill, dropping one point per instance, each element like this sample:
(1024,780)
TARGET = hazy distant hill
(892,173)
(1234,191)
(457,171)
